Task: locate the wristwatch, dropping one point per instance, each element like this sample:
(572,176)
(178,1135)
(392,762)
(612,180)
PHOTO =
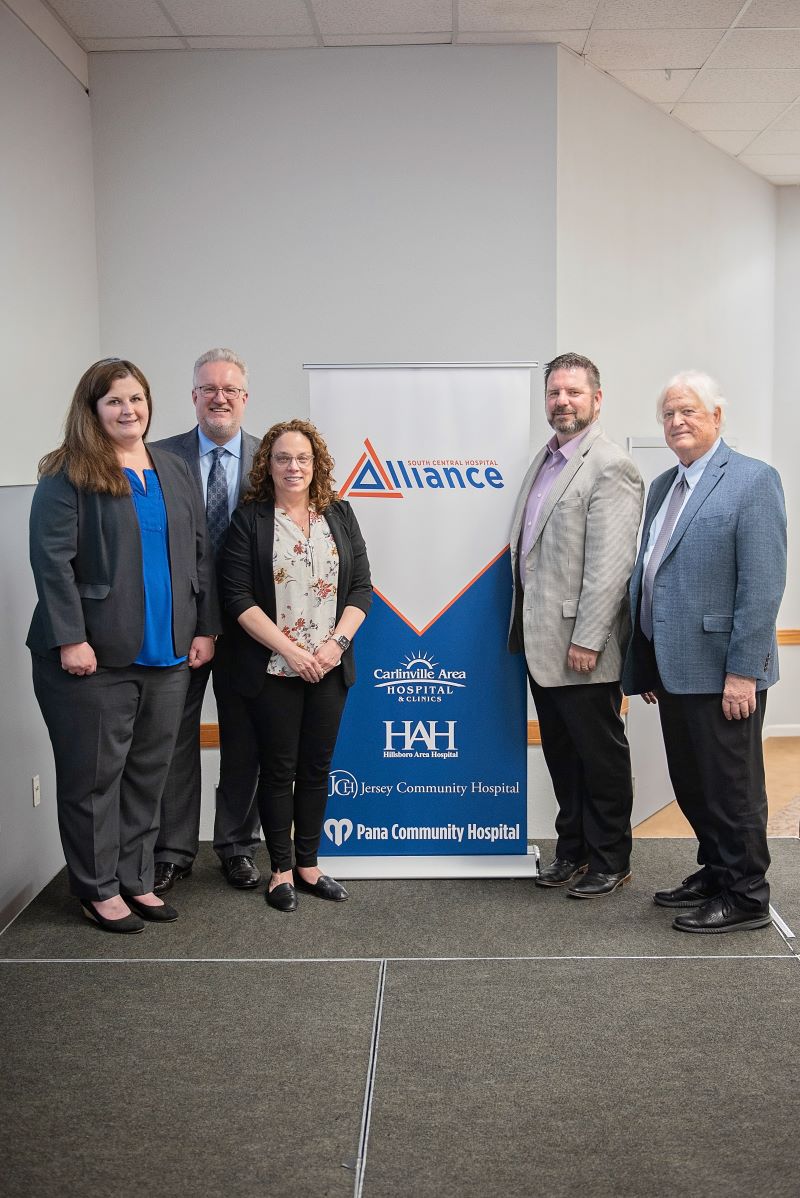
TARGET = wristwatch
(342,641)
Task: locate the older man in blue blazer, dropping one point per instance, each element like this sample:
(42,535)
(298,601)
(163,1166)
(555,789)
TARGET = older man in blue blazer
(705,593)
(220,454)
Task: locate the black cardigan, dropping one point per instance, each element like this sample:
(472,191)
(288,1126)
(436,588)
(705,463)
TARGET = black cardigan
(246,577)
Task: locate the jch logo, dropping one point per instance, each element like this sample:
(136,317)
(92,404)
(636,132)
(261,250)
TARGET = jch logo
(342,785)
(429,735)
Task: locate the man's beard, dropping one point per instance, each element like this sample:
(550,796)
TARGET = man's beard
(576,425)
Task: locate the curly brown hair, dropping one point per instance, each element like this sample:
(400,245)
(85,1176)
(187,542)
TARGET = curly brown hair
(87,453)
(322,492)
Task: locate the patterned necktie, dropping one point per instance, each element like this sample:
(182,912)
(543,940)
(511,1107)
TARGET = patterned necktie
(217,502)
(659,549)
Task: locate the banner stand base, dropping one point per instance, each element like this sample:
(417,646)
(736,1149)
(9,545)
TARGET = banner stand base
(512,865)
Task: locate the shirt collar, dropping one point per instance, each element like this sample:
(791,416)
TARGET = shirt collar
(693,472)
(234,446)
(568,448)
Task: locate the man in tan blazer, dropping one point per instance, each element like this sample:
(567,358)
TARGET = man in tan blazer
(573,545)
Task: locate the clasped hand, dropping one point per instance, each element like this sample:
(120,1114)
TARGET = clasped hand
(312,667)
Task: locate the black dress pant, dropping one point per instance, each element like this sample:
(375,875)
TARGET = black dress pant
(717,771)
(236,830)
(296,725)
(112,733)
(587,754)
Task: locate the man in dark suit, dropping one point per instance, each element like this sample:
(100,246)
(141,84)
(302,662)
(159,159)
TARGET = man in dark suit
(220,455)
(704,599)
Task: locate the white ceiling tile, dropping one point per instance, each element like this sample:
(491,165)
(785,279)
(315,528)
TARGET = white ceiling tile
(113,18)
(790,118)
(759,48)
(296,41)
(773,86)
(657,86)
(388,39)
(496,15)
(244,18)
(573,38)
(620,49)
(665,14)
(773,164)
(772,14)
(777,141)
(97,45)
(383,16)
(725,117)
(731,143)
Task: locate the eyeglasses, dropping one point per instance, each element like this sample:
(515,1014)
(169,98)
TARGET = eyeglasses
(229,393)
(286,459)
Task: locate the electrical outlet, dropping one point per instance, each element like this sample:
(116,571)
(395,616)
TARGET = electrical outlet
(37,790)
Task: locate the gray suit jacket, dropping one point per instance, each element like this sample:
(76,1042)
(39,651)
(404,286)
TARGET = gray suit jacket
(718,588)
(187,446)
(86,556)
(578,568)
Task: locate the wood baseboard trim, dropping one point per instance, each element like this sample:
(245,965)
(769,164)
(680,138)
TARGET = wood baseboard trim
(789,636)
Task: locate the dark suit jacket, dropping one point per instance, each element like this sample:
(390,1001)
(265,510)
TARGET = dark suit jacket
(86,557)
(187,446)
(247,580)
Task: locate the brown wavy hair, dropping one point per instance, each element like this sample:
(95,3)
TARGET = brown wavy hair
(87,454)
(322,492)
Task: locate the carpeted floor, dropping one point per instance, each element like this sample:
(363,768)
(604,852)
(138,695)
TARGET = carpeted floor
(426,1038)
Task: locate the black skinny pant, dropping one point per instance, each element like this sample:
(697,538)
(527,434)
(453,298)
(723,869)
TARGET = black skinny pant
(296,726)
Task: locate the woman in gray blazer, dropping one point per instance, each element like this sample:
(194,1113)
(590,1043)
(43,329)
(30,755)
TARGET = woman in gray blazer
(127,605)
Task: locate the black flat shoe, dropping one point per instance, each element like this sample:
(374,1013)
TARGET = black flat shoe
(283,897)
(128,925)
(162,914)
(324,887)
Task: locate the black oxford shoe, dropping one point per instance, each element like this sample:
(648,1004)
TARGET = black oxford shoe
(283,897)
(241,872)
(720,915)
(167,874)
(324,887)
(690,893)
(597,885)
(560,871)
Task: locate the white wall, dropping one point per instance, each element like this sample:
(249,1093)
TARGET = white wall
(377,204)
(48,335)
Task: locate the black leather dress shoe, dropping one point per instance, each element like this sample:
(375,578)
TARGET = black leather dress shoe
(324,887)
(162,914)
(597,885)
(283,897)
(241,872)
(559,872)
(167,874)
(690,893)
(720,915)
(129,924)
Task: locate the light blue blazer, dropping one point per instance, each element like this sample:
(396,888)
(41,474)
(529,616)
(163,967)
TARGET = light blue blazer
(718,588)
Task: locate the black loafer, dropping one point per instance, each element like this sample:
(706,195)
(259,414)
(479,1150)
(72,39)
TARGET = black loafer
(128,925)
(597,885)
(240,872)
(167,874)
(560,871)
(690,893)
(720,915)
(324,887)
(283,897)
(162,914)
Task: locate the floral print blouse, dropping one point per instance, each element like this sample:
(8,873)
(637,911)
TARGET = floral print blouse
(306,573)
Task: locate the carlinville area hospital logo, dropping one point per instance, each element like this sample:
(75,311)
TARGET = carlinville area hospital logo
(419,679)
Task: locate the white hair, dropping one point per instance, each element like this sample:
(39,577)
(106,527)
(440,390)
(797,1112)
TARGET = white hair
(220,355)
(700,384)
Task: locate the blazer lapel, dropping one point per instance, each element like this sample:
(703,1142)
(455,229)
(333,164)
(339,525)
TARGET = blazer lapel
(564,479)
(708,480)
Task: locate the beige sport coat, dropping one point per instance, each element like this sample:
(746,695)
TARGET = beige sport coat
(576,574)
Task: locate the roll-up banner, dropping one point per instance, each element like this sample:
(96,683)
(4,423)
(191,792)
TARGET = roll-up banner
(429,775)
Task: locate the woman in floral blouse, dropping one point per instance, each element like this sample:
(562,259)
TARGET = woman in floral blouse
(295,576)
